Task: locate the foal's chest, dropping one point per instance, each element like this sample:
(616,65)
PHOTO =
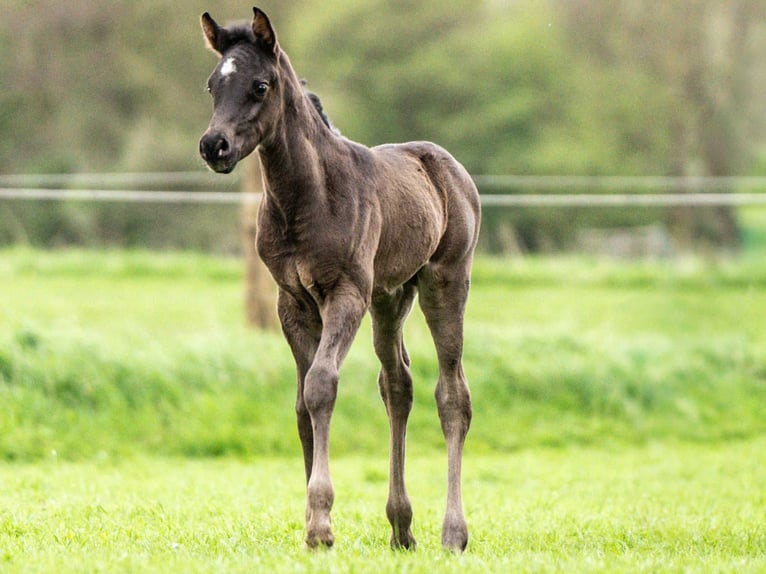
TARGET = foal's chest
(291,270)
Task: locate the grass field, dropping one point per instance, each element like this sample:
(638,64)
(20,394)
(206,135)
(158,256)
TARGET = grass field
(618,422)
(657,508)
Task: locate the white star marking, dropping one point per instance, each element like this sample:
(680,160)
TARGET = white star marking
(229,67)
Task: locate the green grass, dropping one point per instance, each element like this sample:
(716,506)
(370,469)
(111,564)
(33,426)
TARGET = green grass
(658,508)
(146,353)
(753,225)
(618,422)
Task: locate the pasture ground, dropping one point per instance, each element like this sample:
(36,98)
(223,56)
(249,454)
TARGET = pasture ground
(653,508)
(618,422)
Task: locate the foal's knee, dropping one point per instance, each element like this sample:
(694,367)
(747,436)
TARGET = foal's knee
(320,388)
(454,405)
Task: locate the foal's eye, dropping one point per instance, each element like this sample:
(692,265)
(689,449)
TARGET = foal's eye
(260,89)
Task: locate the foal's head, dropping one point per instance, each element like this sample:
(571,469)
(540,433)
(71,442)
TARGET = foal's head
(245,88)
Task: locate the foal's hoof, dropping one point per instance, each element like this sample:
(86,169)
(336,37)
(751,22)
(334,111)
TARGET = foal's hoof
(405,541)
(320,538)
(455,536)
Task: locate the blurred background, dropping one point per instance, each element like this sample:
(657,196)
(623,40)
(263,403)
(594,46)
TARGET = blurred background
(510,87)
(122,320)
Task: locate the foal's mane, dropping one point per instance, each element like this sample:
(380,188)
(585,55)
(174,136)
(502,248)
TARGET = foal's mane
(317,103)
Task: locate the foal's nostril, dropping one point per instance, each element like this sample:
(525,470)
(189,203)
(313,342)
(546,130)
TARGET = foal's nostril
(222,148)
(214,147)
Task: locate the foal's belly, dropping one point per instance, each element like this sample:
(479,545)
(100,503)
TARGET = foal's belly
(388,279)
(407,242)
(402,255)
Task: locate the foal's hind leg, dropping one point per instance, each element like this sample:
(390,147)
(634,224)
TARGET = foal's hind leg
(395,382)
(443,293)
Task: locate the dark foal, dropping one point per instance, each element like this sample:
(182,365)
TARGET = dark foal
(344,228)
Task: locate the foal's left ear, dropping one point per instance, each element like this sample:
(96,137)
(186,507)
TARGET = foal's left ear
(264,33)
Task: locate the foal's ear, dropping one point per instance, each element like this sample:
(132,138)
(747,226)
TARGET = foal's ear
(264,33)
(214,34)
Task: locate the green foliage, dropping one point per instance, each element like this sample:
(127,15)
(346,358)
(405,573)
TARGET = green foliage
(101,86)
(146,353)
(509,87)
(523,87)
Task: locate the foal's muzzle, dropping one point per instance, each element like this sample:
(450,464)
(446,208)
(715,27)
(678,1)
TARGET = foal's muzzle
(218,152)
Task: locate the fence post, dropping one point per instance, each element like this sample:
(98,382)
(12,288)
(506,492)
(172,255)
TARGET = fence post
(260,291)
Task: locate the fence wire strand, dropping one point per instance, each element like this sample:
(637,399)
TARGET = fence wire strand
(646,191)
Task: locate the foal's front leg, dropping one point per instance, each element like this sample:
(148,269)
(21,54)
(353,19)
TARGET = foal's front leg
(302,327)
(341,311)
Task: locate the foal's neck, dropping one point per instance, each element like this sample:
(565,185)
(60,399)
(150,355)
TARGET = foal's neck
(291,160)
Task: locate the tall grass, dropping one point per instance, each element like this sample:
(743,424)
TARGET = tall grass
(117,352)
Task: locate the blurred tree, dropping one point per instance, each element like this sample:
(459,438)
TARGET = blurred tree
(495,82)
(521,86)
(702,52)
(101,85)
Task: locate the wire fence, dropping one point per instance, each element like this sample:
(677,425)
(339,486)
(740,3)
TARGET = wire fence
(581,191)
(618,216)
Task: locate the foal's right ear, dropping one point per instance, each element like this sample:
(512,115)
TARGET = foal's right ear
(264,33)
(213,33)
